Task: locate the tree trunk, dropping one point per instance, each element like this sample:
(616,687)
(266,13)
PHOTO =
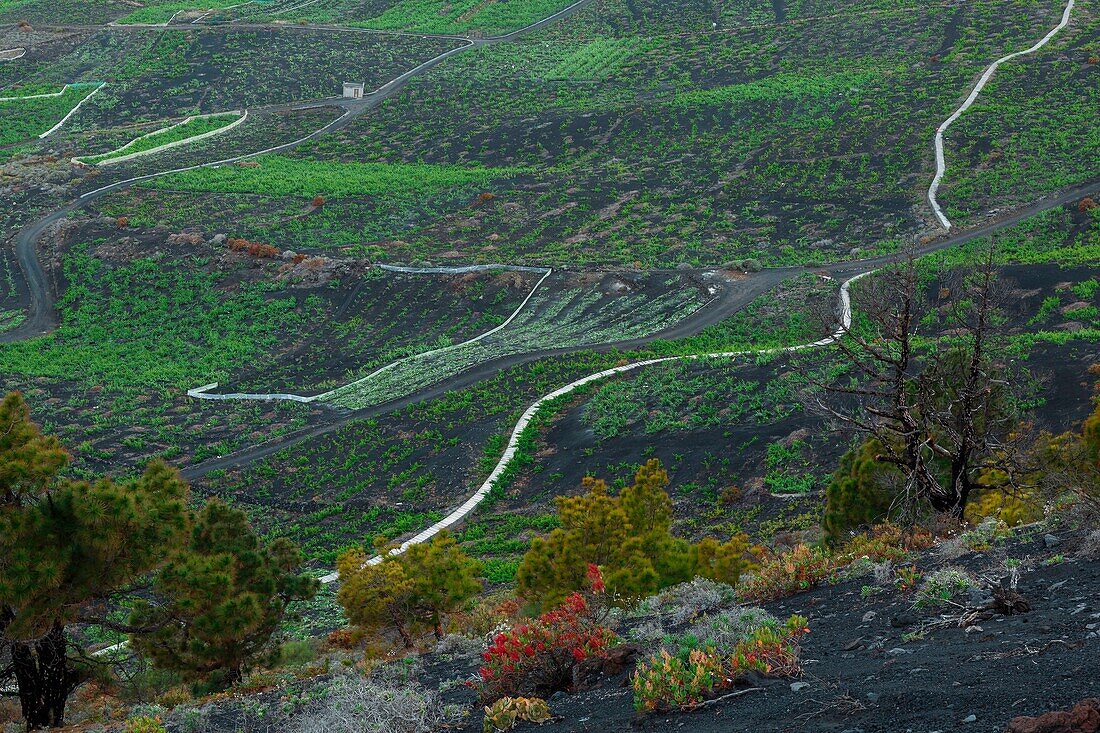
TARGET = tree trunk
(45,678)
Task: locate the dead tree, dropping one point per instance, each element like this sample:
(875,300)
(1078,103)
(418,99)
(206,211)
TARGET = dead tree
(924,380)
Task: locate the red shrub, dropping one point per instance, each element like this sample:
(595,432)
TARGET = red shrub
(318,201)
(1087,204)
(122,222)
(539,657)
(253,249)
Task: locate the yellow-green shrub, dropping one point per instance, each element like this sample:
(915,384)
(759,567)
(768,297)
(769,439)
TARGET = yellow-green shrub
(503,714)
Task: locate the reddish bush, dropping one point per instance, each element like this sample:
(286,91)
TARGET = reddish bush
(318,201)
(344,638)
(1087,204)
(1094,59)
(252,249)
(122,222)
(792,572)
(486,197)
(298,259)
(539,657)
(1083,718)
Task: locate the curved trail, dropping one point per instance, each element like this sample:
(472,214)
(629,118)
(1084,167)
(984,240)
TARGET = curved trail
(510,450)
(733,301)
(204,393)
(941,165)
(126,157)
(42,315)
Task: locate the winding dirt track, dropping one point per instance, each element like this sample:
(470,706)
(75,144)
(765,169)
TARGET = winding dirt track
(43,318)
(42,313)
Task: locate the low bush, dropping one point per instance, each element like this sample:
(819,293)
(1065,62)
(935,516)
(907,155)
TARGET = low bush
(686,601)
(503,714)
(539,657)
(687,676)
(1090,546)
(257,250)
(789,573)
(355,704)
(144,724)
(940,586)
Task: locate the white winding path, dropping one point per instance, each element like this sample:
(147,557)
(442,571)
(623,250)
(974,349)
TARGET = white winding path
(242,116)
(941,166)
(203,393)
(467,507)
(64,89)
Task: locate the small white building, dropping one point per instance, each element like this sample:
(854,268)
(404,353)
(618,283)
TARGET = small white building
(354,90)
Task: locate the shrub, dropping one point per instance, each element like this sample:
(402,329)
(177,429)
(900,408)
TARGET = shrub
(940,586)
(884,543)
(356,704)
(122,222)
(1012,508)
(772,651)
(982,537)
(411,591)
(503,714)
(318,201)
(1087,204)
(797,570)
(686,601)
(724,631)
(629,537)
(689,675)
(681,682)
(857,494)
(539,656)
(344,638)
(257,250)
(1090,546)
(458,646)
(297,653)
(144,724)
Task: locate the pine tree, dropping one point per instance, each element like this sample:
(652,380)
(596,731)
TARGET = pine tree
(629,537)
(224,597)
(65,547)
(860,492)
(410,591)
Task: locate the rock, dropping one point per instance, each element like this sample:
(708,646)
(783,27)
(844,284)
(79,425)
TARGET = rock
(1075,308)
(1050,541)
(1083,718)
(975,629)
(873,696)
(854,644)
(587,674)
(970,719)
(869,616)
(218,239)
(898,651)
(799,686)
(903,619)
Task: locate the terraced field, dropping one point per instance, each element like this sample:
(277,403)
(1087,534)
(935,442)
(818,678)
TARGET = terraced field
(546,241)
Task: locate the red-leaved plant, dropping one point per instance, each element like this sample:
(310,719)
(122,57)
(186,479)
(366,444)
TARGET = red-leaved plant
(538,657)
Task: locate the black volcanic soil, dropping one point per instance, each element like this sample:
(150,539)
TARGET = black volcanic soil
(863,676)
